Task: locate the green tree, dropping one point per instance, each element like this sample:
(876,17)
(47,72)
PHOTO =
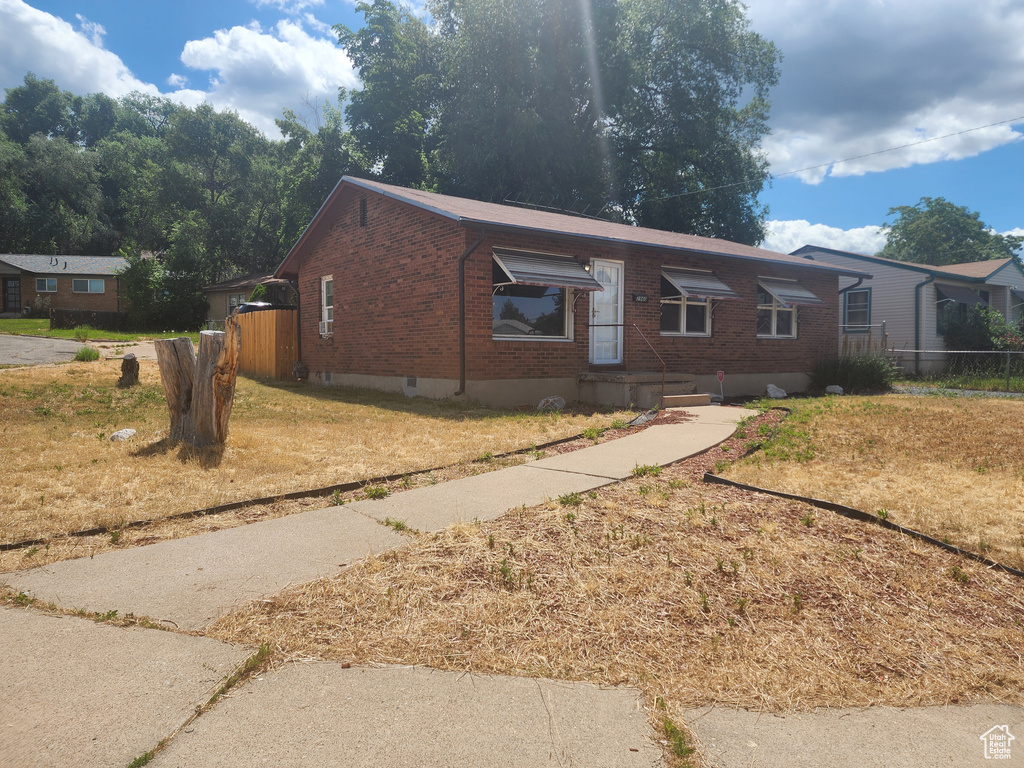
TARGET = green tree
(396,56)
(939,233)
(37,107)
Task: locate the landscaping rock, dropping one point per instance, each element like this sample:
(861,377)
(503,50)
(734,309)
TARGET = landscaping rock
(553,403)
(129,371)
(121,435)
(775,392)
(833,389)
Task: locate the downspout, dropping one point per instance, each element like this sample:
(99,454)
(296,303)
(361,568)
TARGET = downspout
(917,322)
(298,311)
(462,311)
(842,314)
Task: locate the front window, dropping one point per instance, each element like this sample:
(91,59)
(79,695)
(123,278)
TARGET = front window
(857,311)
(683,314)
(327,305)
(46,285)
(235,300)
(87,286)
(529,311)
(774,319)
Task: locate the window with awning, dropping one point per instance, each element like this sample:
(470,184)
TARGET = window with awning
(531,293)
(789,293)
(686,297)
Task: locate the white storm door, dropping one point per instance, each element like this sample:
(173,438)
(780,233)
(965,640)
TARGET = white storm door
(606,313)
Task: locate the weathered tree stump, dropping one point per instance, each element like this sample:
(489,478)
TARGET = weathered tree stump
(200,389)
(129,371)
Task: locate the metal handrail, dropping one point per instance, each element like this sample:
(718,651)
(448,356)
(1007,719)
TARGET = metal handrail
(646,341)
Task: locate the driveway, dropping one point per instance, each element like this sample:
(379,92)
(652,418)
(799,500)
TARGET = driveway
(35,350)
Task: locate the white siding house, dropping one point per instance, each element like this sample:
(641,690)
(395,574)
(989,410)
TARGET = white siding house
(908,298)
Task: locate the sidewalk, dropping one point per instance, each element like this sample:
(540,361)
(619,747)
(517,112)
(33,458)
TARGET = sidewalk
(108,678)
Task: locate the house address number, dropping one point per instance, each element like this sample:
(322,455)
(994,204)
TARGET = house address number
(639,298)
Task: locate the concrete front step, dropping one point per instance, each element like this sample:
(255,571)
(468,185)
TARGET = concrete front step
(683,401)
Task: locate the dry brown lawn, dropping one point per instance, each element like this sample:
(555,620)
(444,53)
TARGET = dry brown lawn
(949,467)
(61,473)
(694,593)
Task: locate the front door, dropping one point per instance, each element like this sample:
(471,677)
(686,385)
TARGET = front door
(606,313)
(12,294)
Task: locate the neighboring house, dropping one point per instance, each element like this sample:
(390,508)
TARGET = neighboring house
(917,301)
(225,296)
(433,295)
(31,281)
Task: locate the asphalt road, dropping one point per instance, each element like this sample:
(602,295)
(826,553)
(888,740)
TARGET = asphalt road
(33,350)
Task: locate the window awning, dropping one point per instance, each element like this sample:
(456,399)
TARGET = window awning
(959,294)
(698,285)
(790,294)
(546,269)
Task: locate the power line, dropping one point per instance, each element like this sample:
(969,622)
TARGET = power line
(847,159)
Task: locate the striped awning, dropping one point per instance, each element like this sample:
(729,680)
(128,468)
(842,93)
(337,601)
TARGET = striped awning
(698,285)
(544,269)
(958,294)
(790,293)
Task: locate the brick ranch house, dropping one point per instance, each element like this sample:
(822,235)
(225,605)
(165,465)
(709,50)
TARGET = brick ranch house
(32,281)
(432,295)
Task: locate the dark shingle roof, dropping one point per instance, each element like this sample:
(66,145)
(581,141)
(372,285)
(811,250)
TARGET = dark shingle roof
(972,271)
(473,213)
(66,265)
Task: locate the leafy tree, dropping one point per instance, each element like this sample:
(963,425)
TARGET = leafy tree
(939,233)
(397,59)
(37,107)
(694,111)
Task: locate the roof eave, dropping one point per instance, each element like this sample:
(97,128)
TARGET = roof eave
(468,222)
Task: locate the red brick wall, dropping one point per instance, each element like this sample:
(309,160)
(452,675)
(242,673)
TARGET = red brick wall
(396,304)
(65,298)
(396,300)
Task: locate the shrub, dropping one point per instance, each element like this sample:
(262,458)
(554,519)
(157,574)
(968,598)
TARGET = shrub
(87,355)
(854,373)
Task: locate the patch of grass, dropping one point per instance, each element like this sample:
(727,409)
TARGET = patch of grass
(376,492)
(676,737)
(142,760)
(400,526)
(570,499)
(646,470)
(249,667)
(87,355)
(593,433)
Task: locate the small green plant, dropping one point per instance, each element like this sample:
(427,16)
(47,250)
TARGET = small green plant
(399,526)
(486,457)
(376,492)
(675,485)
(798,602)
(108,616)
(883,514)
(741,604)
(570,517)
(31,551)
(86,355)
(705,603)
(336,499)
(142,760)
(115,536)
(593,433)
(22,599)
(646,470)
(808,519)
(570,499)
(959,575)
(82,332)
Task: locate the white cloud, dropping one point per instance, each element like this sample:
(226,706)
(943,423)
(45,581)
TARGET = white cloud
(288,6)
(861,76)
(177,81)
(787,236)
(32,40)
(92,30)
(258,73)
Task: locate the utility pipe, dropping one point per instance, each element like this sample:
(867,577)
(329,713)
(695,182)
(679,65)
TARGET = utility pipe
(462,311)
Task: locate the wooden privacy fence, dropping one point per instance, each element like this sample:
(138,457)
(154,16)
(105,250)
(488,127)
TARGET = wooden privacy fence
(270,343)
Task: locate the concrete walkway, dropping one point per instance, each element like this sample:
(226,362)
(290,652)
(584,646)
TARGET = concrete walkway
(81,693)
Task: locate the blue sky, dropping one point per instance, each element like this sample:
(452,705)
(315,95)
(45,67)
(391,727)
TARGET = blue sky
(858,77)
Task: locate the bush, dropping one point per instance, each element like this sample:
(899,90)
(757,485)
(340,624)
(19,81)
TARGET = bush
(87,355)
(854,373)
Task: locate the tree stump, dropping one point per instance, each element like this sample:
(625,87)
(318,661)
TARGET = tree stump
(129,371)
(200,389)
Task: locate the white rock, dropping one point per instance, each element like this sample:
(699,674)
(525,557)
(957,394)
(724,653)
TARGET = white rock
(122,434)
(553,403)
(833,389)
(776,393)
